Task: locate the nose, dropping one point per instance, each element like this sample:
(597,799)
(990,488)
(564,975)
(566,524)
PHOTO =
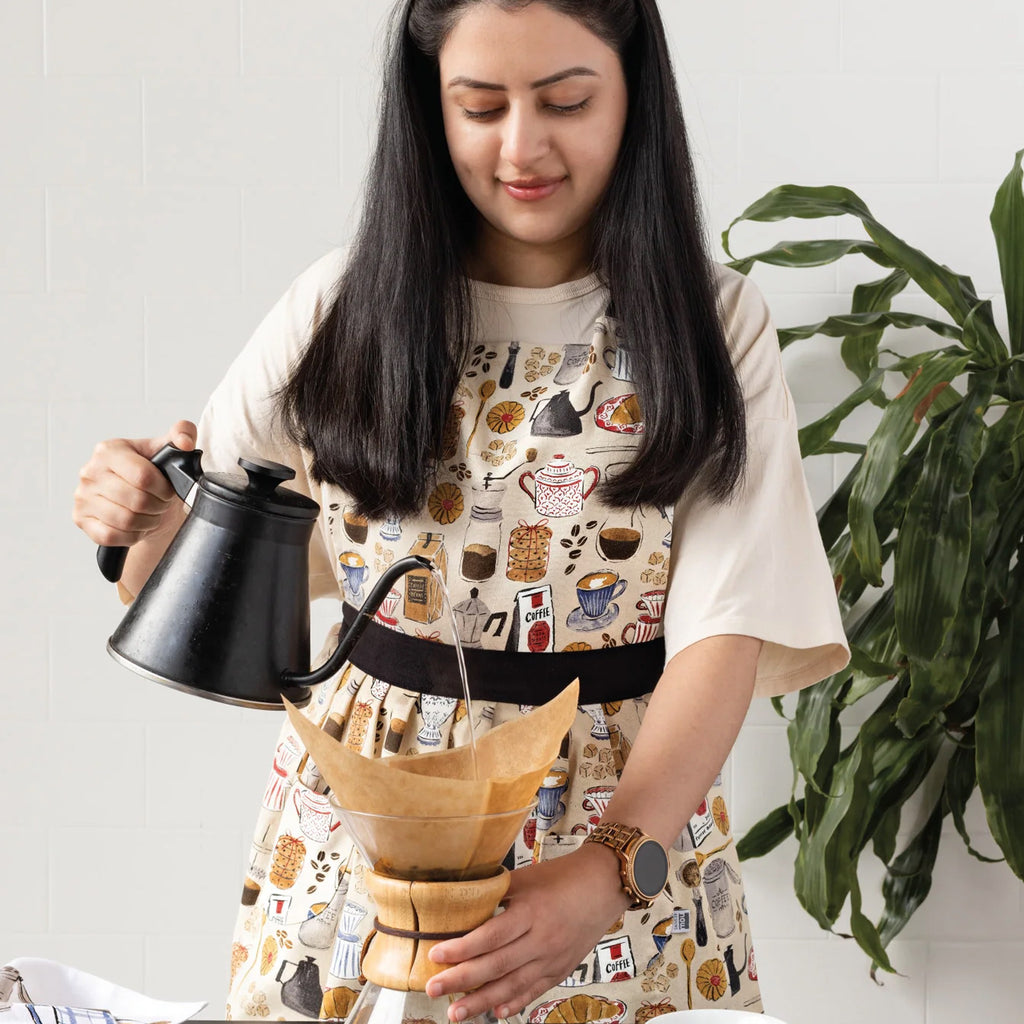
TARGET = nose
(524,139)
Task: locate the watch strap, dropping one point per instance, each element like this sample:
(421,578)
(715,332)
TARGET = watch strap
(619,838)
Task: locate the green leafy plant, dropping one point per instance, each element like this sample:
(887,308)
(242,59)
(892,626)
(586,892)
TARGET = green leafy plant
(936,498)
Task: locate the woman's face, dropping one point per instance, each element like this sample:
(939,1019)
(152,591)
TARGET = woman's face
(534,111)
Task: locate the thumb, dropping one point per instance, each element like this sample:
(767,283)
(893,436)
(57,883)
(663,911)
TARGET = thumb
(183,435)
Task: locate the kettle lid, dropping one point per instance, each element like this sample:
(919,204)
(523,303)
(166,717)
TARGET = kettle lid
(261,489)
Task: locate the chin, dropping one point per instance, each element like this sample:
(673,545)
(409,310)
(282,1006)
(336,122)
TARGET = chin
(534,230)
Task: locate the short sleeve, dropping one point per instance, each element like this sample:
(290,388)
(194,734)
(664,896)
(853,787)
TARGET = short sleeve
(240,418)
(756,565)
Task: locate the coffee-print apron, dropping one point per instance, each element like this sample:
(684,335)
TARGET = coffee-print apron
(534,562)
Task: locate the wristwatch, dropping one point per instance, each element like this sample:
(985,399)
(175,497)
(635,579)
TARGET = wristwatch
(643,863)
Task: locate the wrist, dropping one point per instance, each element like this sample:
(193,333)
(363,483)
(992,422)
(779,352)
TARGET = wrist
(604,871)
(643,861)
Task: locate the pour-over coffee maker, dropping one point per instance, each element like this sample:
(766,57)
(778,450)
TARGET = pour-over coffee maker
(425,893)
(432,831)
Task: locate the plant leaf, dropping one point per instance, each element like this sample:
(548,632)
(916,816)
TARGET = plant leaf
(860,354)
(981,337)
(866,325)
(933,554)
(824,864)
(832,516)
(865,932)
(814,436)
(815,718)
(961,781)
(881,462)
(1008,227)
(999,739)
(908,879)
(772,830)
(842,448)
(801,201)
(883,839)
(954,293)
(809,253)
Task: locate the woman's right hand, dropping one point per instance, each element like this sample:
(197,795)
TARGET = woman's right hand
(122,498)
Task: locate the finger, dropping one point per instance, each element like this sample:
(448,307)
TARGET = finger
(480,970)
(108,536)
(111,524)
(182,434)
(496,932)
(139,473)
(124,459)
(134,495)
(506,996)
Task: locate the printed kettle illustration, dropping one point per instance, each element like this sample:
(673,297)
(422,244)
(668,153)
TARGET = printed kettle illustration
(301,992)
(558,488)
(558,418)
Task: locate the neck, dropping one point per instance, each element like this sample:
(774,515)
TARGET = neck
(500,259)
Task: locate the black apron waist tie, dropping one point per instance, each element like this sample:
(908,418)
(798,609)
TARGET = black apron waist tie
(513,677)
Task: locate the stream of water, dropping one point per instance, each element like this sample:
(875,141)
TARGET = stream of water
(462,667)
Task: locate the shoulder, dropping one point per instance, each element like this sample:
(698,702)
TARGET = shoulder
(313,290)
(286,330)
(743,308)
(751,339)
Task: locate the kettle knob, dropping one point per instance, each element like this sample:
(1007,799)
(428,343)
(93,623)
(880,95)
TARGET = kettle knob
(264,475)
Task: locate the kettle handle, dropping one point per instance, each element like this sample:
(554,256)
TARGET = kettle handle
(183,470)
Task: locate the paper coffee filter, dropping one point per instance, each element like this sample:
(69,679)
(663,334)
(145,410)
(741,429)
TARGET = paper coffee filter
(368,785)
(512,749)
(431,825)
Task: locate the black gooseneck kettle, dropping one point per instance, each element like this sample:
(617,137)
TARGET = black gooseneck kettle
(225,613)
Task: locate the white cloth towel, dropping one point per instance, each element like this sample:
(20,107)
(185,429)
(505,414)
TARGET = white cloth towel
(53,987)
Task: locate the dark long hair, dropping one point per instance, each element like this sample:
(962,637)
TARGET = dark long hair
(371,394)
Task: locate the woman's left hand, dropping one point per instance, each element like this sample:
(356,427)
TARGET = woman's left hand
(556,912)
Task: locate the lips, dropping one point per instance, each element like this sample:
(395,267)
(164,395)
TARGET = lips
(528,189)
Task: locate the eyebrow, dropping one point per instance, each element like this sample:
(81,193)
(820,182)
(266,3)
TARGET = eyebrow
(472,83)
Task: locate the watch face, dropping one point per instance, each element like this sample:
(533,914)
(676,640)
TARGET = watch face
(650,868)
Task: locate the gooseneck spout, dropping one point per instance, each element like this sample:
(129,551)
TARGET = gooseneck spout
(369,608)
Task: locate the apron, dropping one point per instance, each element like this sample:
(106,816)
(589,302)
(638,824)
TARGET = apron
(534,563)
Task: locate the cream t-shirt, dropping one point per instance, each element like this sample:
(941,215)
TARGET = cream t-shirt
(754,566)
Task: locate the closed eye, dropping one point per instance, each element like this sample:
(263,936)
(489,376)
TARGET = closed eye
(480,115)
(582,105)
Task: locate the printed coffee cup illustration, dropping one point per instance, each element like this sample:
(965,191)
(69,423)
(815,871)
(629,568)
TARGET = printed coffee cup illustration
(356,525)
(558,488)
(550,807)
(596,593)
(619,361)
(652,604)
(620,535)
(645,628)
(353,565)
(386,613)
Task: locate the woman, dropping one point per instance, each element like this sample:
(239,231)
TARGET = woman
(528,368)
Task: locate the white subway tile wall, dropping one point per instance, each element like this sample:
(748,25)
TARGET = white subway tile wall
(167,169)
